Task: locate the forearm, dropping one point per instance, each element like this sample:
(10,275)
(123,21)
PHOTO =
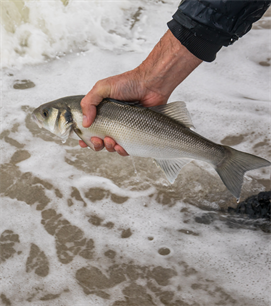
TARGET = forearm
(167,66)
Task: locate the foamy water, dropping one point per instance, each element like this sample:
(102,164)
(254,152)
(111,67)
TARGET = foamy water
(85,228)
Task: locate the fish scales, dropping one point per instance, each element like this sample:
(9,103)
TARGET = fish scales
(161,132)
(131,126)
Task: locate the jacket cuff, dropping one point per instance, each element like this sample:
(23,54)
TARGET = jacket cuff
(201,48)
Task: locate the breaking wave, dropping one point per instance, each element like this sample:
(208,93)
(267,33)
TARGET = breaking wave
(33,31)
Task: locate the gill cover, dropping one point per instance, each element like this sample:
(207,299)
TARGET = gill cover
(64,124)
(57,120)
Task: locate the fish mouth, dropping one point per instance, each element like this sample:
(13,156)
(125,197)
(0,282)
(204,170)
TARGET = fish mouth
(34,118)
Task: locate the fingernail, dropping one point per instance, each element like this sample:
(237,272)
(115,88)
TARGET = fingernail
(109,146)
(96,145)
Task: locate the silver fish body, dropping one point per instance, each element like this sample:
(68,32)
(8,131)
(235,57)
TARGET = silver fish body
(162,133)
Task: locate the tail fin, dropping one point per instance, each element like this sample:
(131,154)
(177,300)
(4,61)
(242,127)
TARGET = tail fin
(233,167)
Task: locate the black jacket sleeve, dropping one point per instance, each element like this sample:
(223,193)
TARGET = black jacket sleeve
(204,26)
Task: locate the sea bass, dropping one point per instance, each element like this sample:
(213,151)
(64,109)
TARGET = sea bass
(160,132)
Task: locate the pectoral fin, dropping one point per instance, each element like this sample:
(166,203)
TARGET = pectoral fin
(171,167)
(86,141)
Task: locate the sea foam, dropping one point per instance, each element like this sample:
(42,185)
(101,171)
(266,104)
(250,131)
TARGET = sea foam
(82,228)
(33,31)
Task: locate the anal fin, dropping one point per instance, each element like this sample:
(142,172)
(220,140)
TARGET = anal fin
(171,167)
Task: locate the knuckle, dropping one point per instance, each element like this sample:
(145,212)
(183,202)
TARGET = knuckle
(98,86)
(102,88)
(98,83)
(83,102)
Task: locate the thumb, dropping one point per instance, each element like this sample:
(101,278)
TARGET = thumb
(89,114)
(88,104)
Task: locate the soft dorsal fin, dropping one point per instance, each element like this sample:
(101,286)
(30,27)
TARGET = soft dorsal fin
(171,167)
(175,110)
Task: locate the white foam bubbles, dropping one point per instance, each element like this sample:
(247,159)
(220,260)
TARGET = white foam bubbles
(35,30)
(215,263)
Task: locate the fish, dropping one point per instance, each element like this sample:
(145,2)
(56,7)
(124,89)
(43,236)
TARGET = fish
(163,132)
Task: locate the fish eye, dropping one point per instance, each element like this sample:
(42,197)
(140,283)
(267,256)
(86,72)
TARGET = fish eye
(45,113)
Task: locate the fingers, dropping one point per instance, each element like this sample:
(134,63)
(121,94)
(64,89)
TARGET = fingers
(112,146)
(120,150)
(98,143)
(108,143)
(82,144)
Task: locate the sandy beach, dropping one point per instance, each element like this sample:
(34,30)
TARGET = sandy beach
(79,227)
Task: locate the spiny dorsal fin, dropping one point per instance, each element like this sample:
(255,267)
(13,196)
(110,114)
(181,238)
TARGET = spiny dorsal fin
(171,167)
(175,110)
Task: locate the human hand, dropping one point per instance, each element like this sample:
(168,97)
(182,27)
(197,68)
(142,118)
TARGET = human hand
(128,86)
(151,83)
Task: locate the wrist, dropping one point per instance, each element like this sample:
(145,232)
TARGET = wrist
(167,66)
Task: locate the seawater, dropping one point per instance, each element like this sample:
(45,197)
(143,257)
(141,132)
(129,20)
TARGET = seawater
(83,228)
(33,31)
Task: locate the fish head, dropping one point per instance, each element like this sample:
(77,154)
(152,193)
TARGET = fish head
(55,118)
